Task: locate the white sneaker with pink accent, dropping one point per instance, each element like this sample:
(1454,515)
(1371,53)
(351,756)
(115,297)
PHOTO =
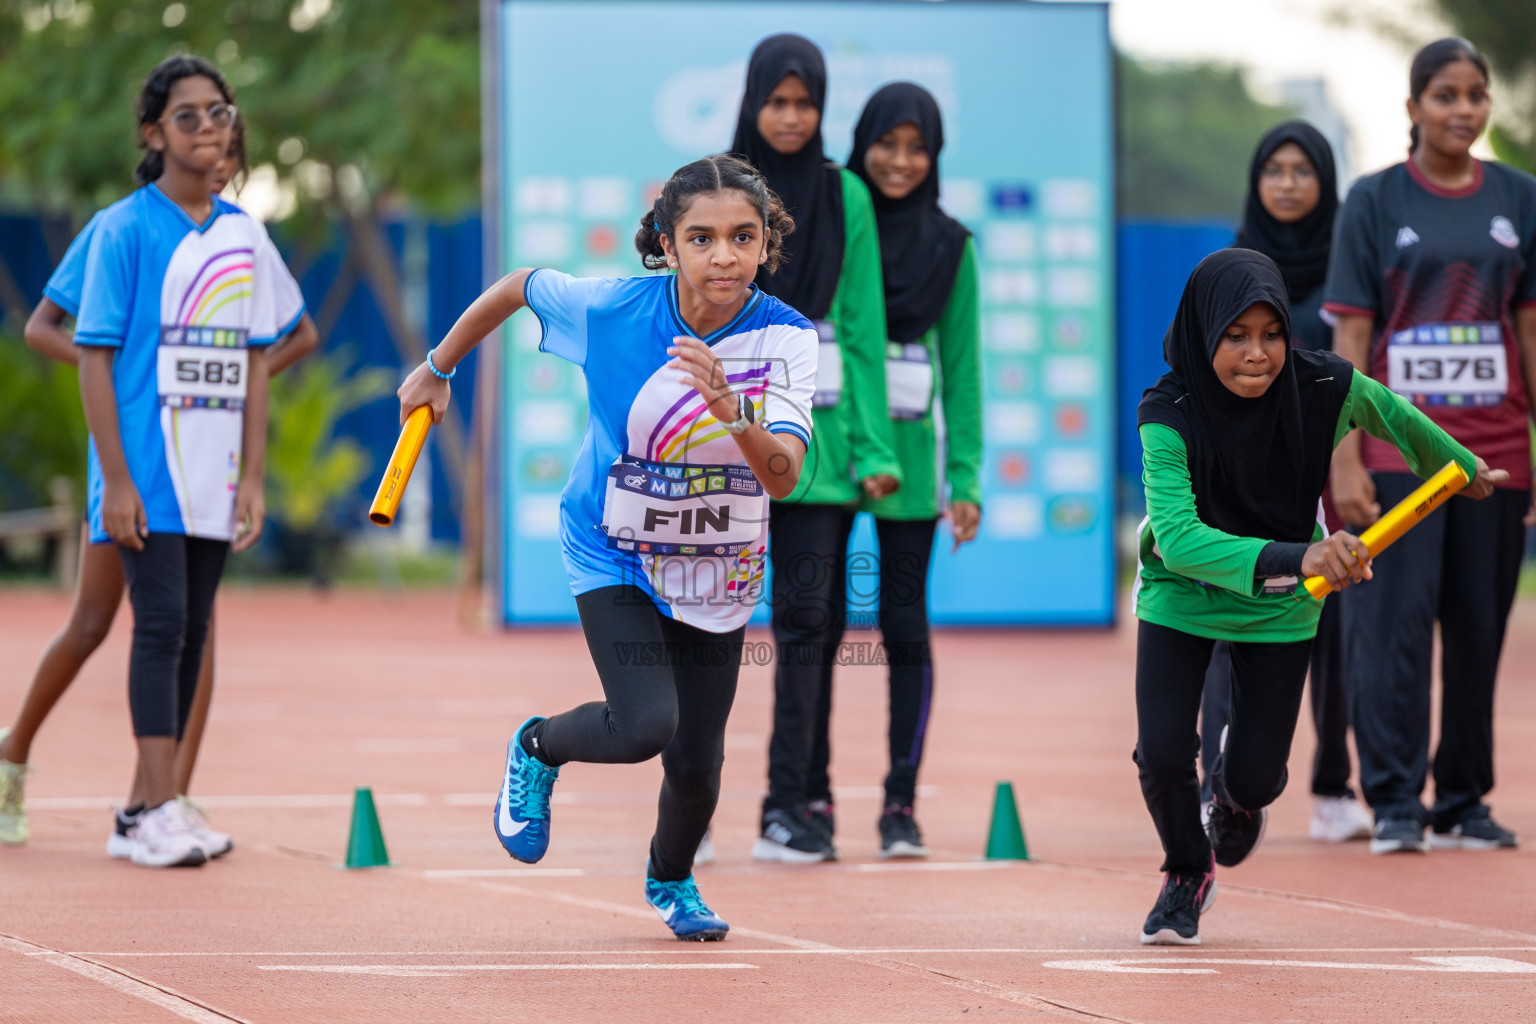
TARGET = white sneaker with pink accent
(213,842)
(163,837)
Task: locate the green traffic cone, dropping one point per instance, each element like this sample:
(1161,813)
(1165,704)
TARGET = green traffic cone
(1005,840)
(365,848)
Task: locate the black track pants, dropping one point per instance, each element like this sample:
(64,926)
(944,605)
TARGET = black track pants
(1330,707)
(669,689)
(171,585)
(906,551)
(1460,567)
(809,548)
(1267,680)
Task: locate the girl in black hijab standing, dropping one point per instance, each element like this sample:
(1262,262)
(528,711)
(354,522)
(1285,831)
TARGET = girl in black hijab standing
(1236,444)
(1293,199)
(928,264)
(831,274)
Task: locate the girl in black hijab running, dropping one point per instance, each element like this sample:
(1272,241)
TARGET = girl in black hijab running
(1237,438)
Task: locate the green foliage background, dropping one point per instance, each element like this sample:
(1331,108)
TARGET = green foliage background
(1187,133)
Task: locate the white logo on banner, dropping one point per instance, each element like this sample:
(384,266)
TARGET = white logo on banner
(695,108)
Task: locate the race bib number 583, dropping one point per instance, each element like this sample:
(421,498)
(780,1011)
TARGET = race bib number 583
(1449,364)
(202,372)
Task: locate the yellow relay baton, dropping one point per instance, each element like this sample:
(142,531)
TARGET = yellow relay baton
(1402,517)
(398,473)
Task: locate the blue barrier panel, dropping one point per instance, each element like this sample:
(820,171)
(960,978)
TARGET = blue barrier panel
(1155,261)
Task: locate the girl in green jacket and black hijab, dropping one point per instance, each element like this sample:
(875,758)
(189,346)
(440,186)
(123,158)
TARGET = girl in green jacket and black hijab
(928,265)
(1237,439)
(831,274)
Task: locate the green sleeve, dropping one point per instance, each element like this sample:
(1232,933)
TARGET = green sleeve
(960,369)
(861,335)
(1185,544)
(1384,414)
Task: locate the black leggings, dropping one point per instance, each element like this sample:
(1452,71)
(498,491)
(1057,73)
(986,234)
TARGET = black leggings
(1461,567)
(906,550)
(809,548)
(669,689)
(1267,680)
(1330,707)
(171,585)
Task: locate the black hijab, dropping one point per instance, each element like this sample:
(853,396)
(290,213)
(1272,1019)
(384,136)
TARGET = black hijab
(1257,465)
(920,244)
(810,185)
(1301,248)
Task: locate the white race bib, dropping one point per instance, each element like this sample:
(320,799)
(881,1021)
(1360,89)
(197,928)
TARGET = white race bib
(663,508)
(908,380)
(202,367)
(829,367)
(1449,364)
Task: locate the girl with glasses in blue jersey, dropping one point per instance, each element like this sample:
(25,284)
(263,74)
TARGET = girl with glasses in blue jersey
(699,389)
(182,293)
(99,583)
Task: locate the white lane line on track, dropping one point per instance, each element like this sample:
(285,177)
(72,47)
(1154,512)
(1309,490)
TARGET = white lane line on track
(301,801)
(896,867)
(965,984)
(1430,964)
(121,981)
(1315,902)
(736,950)
(449,970)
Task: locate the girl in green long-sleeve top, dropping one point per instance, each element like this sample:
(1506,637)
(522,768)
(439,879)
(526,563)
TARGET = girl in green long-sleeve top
(831,274)
(1237,440)
(928,264)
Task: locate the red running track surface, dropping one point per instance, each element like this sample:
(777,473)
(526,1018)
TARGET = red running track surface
(316,695)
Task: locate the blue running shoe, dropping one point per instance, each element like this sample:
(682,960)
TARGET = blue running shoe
(682,908)
(521,816)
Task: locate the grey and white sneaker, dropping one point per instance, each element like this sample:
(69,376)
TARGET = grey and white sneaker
(213,842)
(1338,819)
(1399,835)
(120,841)
(790,838)
(163,837)
(1474,834)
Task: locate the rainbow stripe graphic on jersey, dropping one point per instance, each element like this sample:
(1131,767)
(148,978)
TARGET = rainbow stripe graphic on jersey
(687,423)
(223,278)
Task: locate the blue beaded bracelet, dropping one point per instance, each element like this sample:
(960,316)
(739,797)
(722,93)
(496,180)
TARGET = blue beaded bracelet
(439,374)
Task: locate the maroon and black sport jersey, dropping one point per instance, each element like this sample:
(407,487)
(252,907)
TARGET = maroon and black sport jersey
(1442,272)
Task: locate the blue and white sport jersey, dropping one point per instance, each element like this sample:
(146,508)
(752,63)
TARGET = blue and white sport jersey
(182,302)
(68,278)
(660,496)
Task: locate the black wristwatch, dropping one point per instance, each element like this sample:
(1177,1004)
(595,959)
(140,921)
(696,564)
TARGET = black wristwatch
(746,415)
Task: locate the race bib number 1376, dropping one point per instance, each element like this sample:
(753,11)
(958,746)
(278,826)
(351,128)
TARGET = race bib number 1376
(1449,364)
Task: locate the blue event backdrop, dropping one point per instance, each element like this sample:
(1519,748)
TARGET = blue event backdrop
(601,100)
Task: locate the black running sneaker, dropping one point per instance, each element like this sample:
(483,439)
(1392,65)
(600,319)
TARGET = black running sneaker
(824,816)
(899,834)
(1474,834)
(1175,920)
(1234,834)
(790,837)
(1399,835)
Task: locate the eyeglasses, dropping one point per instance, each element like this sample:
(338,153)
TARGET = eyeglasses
(189,121)
(1302,174)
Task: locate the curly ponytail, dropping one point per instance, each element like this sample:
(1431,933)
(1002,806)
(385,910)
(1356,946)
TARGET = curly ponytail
(712,174)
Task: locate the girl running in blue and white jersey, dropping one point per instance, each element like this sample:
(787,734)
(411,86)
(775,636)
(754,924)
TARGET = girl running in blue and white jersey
(699,387)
